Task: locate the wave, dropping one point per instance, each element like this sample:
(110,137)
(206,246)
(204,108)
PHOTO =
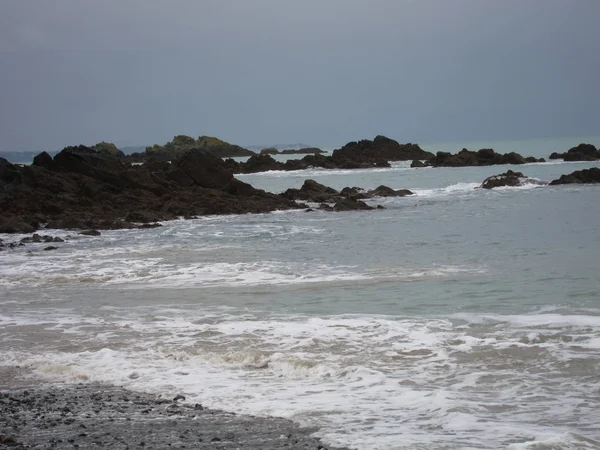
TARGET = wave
(443,380)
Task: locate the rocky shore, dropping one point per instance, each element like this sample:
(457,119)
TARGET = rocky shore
(483,157)
(87,188)
(99,416)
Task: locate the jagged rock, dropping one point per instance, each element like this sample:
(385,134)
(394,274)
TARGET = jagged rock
(417,163)
(351,204)
(483,157)
(583,152)
(584,176)
(313,192)
(261,163)
(385,191)
(354,192)
(43,160)
(508,178)
(379,151)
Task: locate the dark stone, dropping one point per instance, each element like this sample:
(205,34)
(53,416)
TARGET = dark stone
(417,163)
(350,204)
(483,157)
(15,225)
(384,191)
(314,192)
(508,178)
(378,151)
(43,160)
(584,176)
(583,152)
(51,247)
(90,233)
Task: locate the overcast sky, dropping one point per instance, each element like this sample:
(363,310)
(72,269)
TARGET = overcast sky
(322,72)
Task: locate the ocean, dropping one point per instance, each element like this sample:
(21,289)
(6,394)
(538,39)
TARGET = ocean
(457,318)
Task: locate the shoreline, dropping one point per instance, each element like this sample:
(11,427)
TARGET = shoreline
(108,416)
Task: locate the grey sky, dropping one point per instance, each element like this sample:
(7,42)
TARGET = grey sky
(317,71)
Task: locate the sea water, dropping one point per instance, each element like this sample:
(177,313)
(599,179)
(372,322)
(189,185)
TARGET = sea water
(455,318)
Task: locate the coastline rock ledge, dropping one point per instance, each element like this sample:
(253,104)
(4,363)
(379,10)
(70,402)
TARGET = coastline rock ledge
(84,188)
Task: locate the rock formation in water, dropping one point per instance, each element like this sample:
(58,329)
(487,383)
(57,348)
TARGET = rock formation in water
(354,155)
(88,188)
(583,152)
(584,176)
(311,191)
(181,144)
(509,178)
(483,157)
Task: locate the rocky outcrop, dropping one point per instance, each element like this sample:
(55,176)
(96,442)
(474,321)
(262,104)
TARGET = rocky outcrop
(381,149)
(311,191)
(182,144)
(384,191)
(351,204)
(354,155)
(584,176)
(583,152)
(417,163)
(483,157)
(87,189)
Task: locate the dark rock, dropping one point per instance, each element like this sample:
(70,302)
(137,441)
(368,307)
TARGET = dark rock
(313,192)
(261,163)
(88,189)
(508,178)
(51,247)
(205,169)
(379,149)
(583,152)
(354,192)
(140,217)
(584,176)
(15,225)
(350,204)
(43,160)
(417,163)
(179,397)
(90,233)
(483,157)
(384,191)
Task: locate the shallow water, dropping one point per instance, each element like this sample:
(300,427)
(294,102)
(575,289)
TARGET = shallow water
(455,318)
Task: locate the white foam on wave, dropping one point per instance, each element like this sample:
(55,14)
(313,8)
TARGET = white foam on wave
(453,189)
(368,381)
(317,171)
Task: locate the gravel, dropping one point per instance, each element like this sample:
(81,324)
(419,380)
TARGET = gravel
(97,416)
